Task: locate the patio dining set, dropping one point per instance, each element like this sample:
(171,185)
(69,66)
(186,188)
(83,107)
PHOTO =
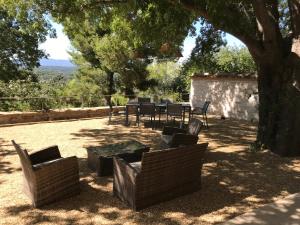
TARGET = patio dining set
(144,107)
(141,176)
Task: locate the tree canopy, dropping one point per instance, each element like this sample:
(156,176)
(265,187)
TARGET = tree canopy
(22,28)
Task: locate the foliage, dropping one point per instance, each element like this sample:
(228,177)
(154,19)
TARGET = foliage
(165,74)
(235,60)
(22,28)
(27,95)
(83,91)
(224,59)
(208,43)
(107,45)
(119,99)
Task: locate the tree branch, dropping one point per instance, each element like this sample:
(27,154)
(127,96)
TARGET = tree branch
(245,35)
(294,6)
(267,15)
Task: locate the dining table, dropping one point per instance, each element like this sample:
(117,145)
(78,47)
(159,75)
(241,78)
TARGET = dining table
(160,109)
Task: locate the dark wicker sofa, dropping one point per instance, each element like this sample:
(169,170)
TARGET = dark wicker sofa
(174,137)
(47,176)
(160,176)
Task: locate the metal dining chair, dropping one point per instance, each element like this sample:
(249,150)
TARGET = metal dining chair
(174,111)
(202,111)
(147,109)
(144,100)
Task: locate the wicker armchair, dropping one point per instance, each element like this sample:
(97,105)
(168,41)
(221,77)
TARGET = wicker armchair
(47,176)
(161,175)
(174,137)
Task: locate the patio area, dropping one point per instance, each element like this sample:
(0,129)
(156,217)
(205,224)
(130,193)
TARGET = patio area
(235,180)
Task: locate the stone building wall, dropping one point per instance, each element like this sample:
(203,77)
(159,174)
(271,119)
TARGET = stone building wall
(230,97)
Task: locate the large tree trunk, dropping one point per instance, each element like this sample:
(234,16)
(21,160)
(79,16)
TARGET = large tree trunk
(279,107)
(278,66)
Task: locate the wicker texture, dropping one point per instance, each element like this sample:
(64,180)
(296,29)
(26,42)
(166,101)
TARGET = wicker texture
(47,176)
(163,175)
(174,137)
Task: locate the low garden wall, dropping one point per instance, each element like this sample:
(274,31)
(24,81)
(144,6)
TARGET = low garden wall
(56,114)
(234,97)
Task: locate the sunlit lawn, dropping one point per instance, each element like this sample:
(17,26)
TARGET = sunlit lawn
(234,180)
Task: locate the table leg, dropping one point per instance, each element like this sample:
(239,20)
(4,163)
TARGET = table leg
(190,111)
(159,112)
(137,115)
(183,119)
(127,112)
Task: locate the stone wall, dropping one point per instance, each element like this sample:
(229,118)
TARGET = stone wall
(57,114)
(230,97)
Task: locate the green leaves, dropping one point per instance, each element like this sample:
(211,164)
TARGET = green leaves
(22,27)
(235,60)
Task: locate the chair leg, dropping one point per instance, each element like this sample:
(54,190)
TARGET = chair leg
(206,121)
(109,116)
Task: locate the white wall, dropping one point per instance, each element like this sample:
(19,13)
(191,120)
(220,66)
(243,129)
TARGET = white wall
(236,98)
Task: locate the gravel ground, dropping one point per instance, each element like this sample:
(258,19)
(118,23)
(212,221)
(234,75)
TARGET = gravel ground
(234,180)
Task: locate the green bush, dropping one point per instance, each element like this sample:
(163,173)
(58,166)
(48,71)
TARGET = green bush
(118,99)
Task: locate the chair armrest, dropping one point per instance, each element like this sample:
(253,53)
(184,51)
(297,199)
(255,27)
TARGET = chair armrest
(171,130)
(44,155)
(183,139)
(124,169)
(124,183)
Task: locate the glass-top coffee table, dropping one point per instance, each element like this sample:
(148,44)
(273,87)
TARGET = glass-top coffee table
(100,158)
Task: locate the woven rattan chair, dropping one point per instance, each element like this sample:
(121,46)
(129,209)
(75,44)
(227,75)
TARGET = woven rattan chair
(202,111)
(161,175)
(147,109)
(47,177)
(174,137)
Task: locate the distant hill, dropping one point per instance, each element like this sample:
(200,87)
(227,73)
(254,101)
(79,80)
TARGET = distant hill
(51,68)
(56,63)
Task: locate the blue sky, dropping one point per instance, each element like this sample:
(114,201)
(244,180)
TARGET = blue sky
(58,48)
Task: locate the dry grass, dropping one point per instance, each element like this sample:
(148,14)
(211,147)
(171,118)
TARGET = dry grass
(234,179)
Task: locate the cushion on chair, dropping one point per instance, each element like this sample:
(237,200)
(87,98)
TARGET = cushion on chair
(137,166)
